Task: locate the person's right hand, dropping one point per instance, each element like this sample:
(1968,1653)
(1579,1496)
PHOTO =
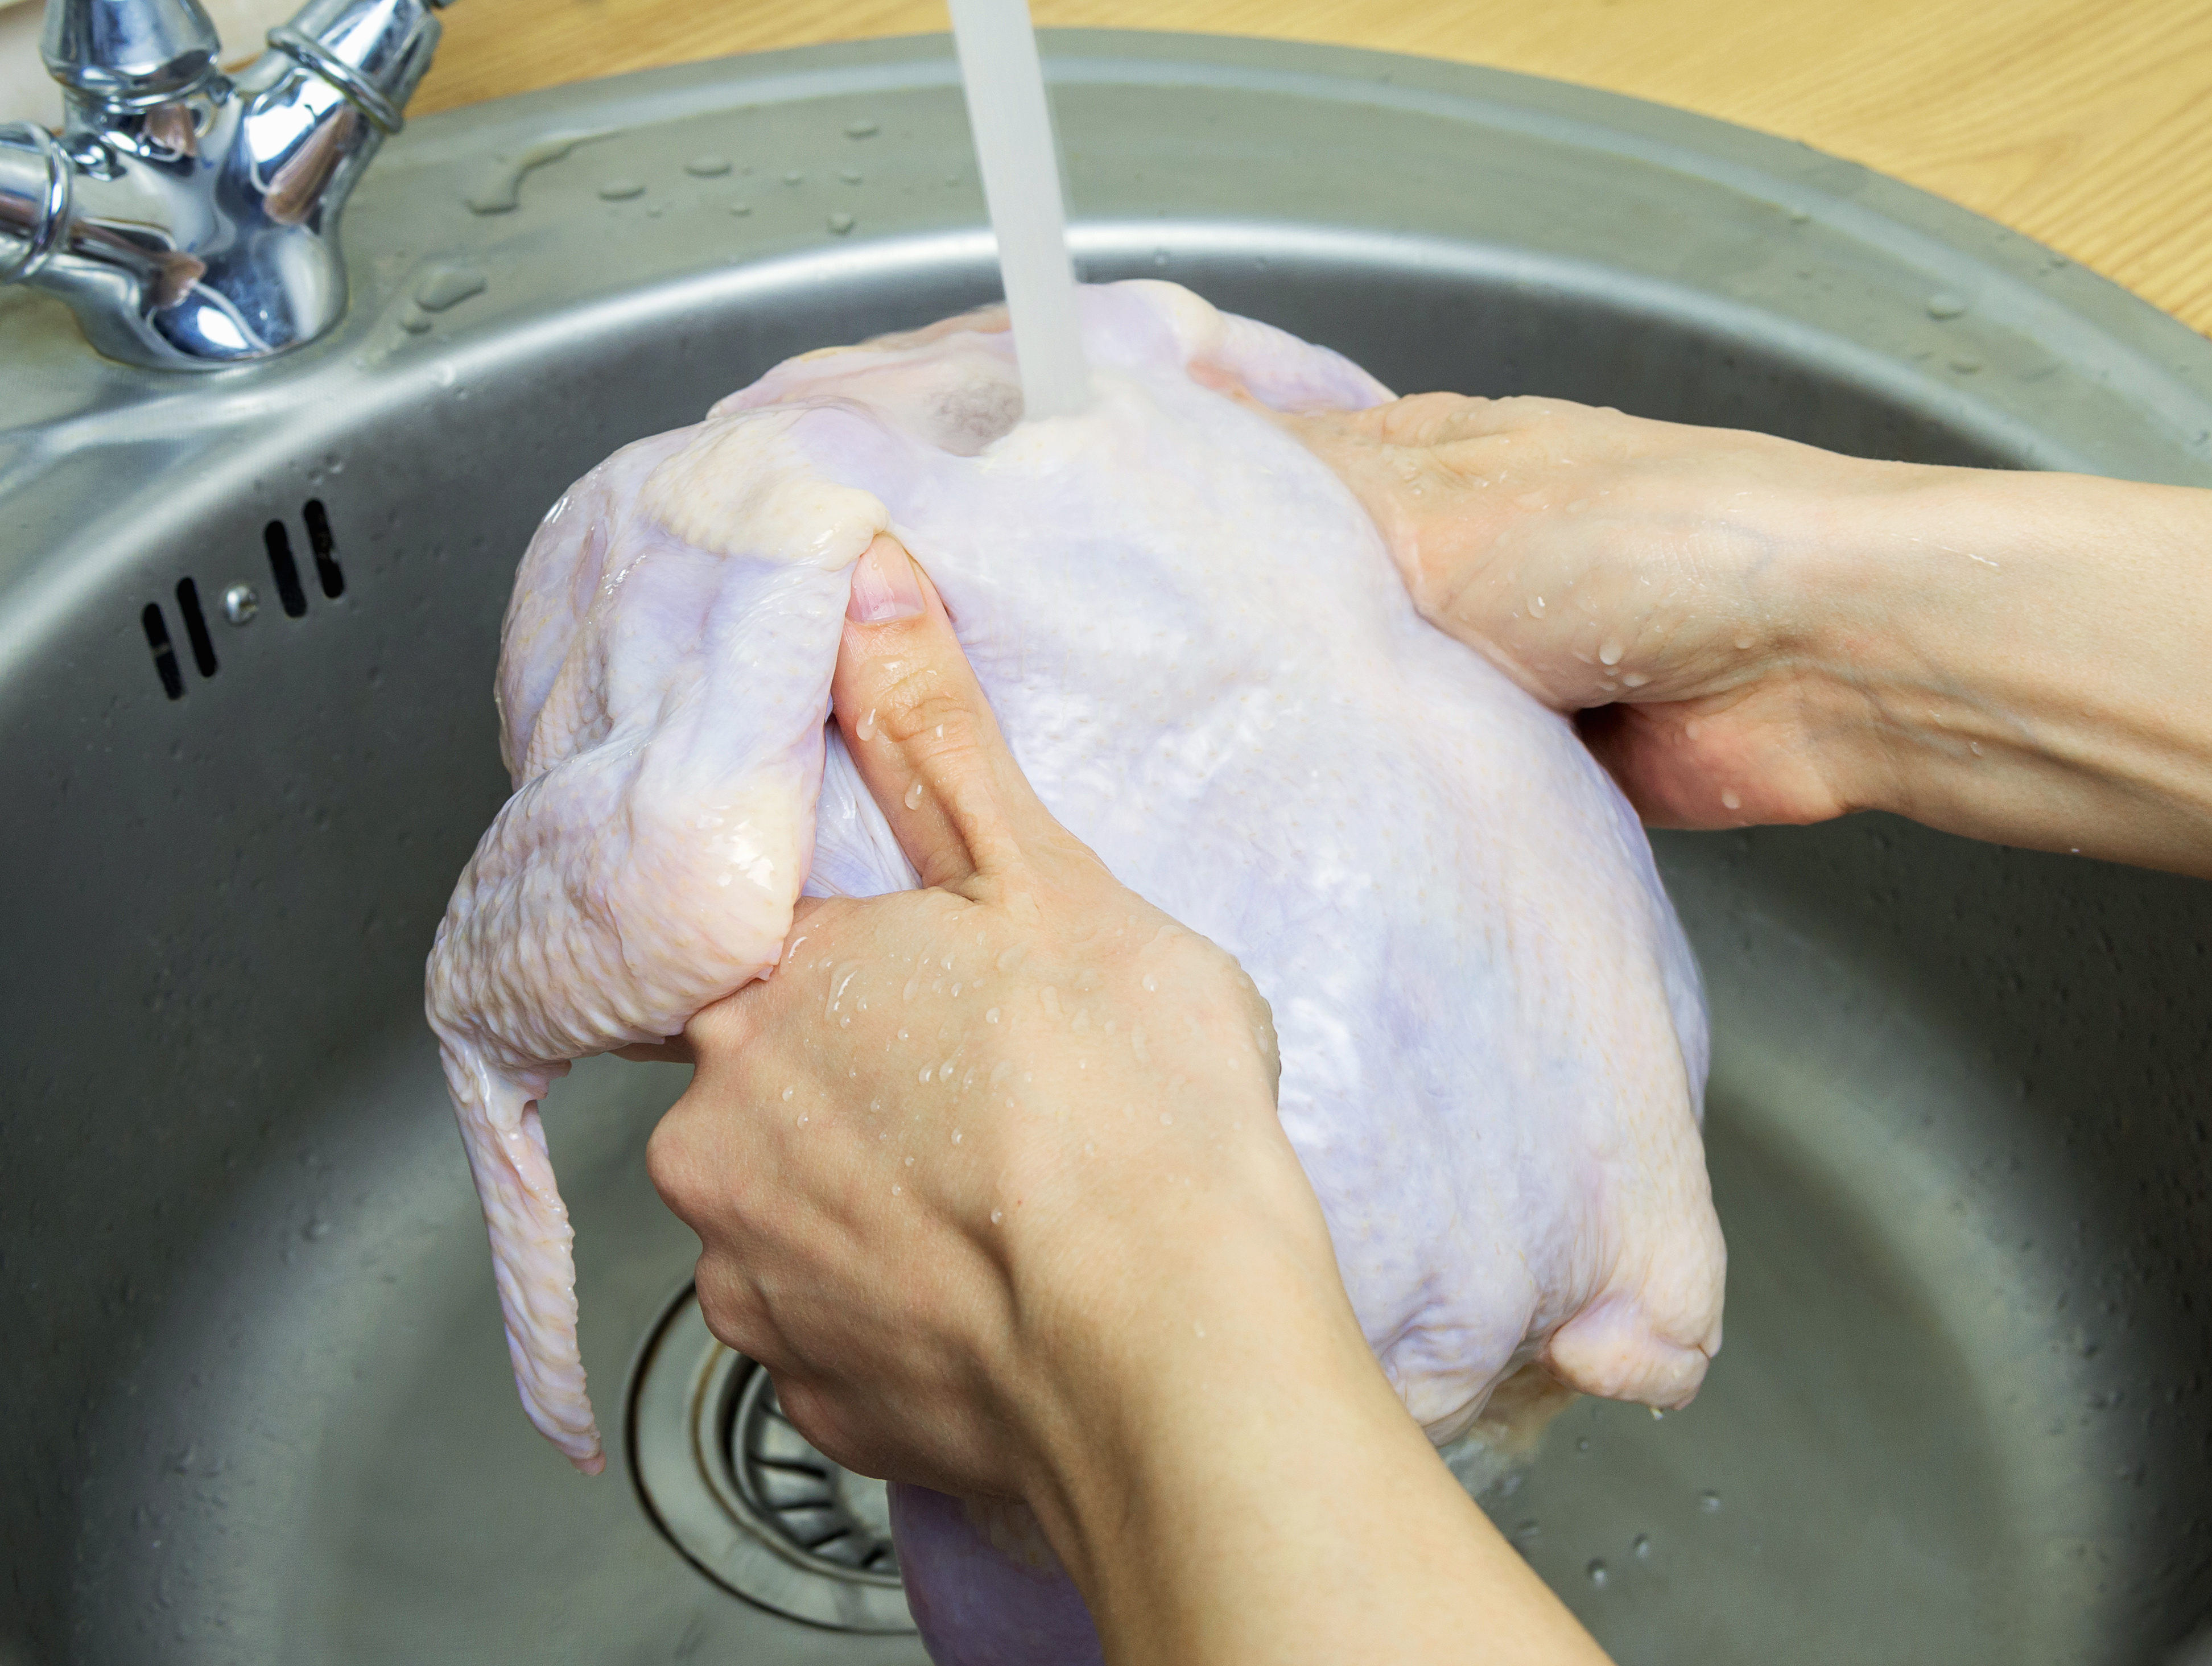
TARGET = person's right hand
(988,1176)
(924,1155)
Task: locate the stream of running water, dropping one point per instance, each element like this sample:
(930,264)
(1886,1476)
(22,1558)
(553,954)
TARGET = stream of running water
(1020,165)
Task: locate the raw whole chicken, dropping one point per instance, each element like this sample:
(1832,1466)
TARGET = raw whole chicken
(1493,1039)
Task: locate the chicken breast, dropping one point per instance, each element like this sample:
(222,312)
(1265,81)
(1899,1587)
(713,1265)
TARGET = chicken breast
(1493,1039)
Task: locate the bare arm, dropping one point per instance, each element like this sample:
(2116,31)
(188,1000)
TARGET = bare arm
(1759,631)
(989,1247)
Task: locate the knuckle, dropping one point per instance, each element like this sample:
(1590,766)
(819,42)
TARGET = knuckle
(921,701)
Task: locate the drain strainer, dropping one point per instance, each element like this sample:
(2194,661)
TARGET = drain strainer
(743,1494)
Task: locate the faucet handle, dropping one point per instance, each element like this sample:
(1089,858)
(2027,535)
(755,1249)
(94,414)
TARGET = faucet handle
(130,54)
(375,51)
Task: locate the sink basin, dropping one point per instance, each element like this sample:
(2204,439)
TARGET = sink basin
(258,1403)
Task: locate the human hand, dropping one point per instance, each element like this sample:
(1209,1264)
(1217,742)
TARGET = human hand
(945,1151)
(1751,630)
(988,1176)
(1648,574)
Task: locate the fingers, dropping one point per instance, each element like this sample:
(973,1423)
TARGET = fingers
(1732,761)
(921,732)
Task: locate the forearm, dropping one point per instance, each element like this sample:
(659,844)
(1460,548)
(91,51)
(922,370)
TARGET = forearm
(2023,657)
(1248,1486)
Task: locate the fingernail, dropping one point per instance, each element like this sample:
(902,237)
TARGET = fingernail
(884,586)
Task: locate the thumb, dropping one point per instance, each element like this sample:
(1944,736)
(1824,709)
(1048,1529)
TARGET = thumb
(917,724)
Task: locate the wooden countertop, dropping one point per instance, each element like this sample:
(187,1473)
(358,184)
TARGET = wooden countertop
(2085,124)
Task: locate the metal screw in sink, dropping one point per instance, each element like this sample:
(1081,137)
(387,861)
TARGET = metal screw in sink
(239,604)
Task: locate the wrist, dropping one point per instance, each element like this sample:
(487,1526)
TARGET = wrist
(2017,657)
(1161,1348)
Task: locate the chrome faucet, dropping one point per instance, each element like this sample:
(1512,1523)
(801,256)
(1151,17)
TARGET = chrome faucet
(189,218)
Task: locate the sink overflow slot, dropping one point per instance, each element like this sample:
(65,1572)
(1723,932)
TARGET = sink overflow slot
(291,594)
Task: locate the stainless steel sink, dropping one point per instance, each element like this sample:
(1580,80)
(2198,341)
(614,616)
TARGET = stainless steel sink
(256,1401)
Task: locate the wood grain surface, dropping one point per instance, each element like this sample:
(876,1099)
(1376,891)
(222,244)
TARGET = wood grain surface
(2085,124)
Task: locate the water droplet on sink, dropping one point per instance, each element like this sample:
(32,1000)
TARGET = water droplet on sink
(840,222)
(863,129)
(741,208)
(795,178)
(1642,1546)
(707,167)
(620,191)
(851,176)
(1598,1575)
(1944,304)
(1709,1502)
(447,285)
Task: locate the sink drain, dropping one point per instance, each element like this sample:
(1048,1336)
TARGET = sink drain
(746,1497)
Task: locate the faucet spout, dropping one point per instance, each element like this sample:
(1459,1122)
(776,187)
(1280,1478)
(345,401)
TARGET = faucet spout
(191,220)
